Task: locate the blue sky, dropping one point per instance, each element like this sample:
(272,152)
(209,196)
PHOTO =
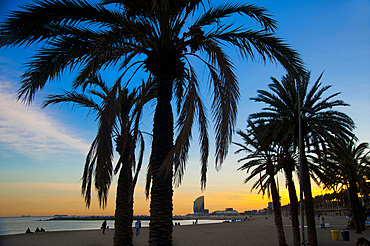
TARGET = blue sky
(44,149)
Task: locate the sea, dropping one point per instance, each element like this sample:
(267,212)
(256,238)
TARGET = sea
(19,225)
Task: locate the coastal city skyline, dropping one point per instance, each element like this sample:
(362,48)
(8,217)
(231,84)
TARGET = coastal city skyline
(42,151)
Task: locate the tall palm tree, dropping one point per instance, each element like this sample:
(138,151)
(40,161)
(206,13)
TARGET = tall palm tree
(118,114)
(286,160)
(320,124)
(157,37)
(261,159)
(353,163)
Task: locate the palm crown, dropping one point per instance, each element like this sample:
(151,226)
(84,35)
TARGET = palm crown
(261,158)
(320,121)
(352,160)
(158,39)
(118,116)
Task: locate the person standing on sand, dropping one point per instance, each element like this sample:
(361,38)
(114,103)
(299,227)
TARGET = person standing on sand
(137,227)
(104,225)
(322,222)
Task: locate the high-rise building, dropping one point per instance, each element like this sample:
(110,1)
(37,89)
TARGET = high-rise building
(198,206)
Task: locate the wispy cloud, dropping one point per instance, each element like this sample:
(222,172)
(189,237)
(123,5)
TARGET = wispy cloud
(29,130)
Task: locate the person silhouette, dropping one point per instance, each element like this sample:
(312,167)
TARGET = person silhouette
(137,227)
(104,226)
(322,222)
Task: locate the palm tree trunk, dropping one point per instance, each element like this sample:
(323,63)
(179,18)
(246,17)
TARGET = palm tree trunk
(160,231)
(355,206)
(293,206)
(277,208)
(124,208)
(309,206)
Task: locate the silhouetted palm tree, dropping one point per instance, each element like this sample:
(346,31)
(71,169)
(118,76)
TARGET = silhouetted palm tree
(261,160)
(349,166)
(320,124)
(118,114)
(160,37)
(286,160)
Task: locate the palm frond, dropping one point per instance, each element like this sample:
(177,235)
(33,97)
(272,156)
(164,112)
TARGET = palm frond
(73,97)
(203,141)
(87,174)
(34,23)
(213,15)
(226,95)
(269,47)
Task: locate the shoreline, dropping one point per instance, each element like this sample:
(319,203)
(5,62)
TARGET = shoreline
(255,231)
(15,227)
(147,217)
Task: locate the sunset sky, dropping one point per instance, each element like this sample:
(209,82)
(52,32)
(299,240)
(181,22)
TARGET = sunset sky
(42,151)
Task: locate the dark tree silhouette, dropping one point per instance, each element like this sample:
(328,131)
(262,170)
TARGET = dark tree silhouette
(320,124)
(159,37)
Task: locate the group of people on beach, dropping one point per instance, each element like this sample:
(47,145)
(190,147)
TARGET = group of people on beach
(37,230)
(361,241)
(137,226)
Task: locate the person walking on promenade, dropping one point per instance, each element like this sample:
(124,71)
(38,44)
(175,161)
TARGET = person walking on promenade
(137,227)
(322,222)
(104,226)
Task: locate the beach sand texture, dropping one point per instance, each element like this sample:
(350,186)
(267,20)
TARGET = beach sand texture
(255,231)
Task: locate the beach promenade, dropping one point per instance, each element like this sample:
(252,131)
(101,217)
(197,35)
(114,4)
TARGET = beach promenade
(256,231)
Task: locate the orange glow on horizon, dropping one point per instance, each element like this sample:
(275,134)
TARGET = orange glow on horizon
(38,199)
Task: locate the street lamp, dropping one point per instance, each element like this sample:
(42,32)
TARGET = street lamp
(300,165)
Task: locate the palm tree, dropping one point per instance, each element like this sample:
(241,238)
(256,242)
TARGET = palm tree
(353,164)
(118,114)
(154,36)
(260,161)
(320,124)
(286,160)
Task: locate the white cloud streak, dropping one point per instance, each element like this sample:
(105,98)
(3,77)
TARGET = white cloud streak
(29,130)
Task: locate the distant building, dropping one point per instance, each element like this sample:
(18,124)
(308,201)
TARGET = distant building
(226,212)
(262,212)
(250,212)
(198,207)
(271,204)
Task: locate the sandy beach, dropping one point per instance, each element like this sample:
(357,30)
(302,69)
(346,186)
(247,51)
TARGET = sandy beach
(255,231)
